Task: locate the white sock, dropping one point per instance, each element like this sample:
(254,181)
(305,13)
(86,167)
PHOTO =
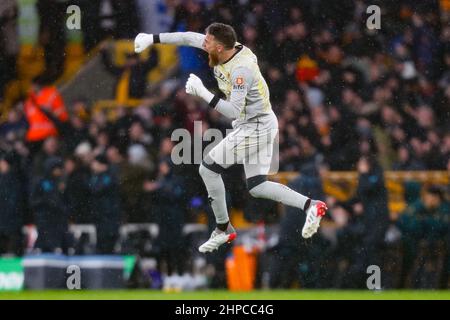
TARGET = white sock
(280,193)
(216,193)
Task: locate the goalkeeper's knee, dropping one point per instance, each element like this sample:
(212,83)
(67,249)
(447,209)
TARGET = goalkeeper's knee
(210,170)
(256,187)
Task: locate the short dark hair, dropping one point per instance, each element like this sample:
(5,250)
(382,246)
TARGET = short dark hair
(42,80)
(223,33)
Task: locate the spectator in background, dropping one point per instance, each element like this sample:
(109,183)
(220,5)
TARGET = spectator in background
(107,18)
(139,135)
(9,45)
(127,22)
(132,77)
(167,192)
(10,199)
(14,128)
(187,110)
(339,145)
(191,15)
(120,127)
(83,152)
(52,32)
(276,84)
(77,195)
(50,209)
(349,219)
(102,142)
(155,16)
(139,166)
(427,221)
(45,112)
(406,161)
(118,165)
(371,203)
(91,23)
(50,148)
(105,203)
(116,158)
(12,143)
(76,134)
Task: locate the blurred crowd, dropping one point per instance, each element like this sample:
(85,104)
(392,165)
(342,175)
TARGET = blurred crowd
(346,97)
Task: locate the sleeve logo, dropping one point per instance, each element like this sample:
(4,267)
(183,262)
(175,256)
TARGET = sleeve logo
(239,83)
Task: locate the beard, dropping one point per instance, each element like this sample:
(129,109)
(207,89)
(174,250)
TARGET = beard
(213,59)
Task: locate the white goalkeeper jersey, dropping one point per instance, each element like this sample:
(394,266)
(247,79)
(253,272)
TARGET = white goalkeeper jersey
(239,78)
(245,88)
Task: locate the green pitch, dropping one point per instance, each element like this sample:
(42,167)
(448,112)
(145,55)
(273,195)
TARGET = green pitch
(226,295)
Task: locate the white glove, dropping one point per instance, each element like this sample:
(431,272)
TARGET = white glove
(195,87)
(142,42)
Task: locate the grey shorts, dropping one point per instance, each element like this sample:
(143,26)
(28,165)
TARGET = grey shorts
(253,144)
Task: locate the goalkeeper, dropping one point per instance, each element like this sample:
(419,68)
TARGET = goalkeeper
(254,126)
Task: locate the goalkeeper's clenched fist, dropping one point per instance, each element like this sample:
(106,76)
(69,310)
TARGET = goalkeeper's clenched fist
(142,42)
(195,87)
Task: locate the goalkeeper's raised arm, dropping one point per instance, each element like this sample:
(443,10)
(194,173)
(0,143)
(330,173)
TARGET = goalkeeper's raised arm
(192,39)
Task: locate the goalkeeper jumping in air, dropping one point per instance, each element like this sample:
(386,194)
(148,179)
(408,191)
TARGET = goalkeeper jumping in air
(251,141)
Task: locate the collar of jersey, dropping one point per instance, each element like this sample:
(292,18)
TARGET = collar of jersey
(239,49)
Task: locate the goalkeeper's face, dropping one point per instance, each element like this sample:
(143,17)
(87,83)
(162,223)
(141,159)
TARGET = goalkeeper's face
(214,49)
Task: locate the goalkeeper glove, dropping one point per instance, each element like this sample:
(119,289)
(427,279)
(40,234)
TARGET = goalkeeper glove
(195,87)
(142,42)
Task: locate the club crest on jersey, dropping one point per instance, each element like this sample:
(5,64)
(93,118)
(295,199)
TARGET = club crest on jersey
(239,83)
